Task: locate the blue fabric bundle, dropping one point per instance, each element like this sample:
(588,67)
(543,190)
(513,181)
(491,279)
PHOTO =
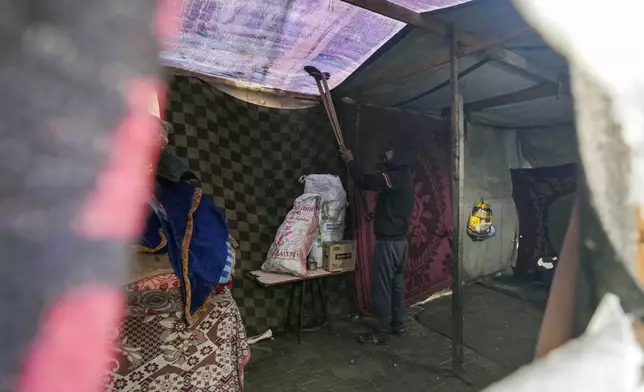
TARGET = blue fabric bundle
(153,239)
(228,268)
(197,240)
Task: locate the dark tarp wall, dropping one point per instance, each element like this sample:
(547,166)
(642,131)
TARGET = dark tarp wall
(545,159)
(369,130)
(552,146)
(544,203)
(249,159)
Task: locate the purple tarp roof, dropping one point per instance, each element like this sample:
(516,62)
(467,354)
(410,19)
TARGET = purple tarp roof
(268,42)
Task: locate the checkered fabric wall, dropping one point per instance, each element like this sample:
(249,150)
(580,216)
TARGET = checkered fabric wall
(249,159)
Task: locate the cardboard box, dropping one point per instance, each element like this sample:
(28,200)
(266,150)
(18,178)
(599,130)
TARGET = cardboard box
(340,256)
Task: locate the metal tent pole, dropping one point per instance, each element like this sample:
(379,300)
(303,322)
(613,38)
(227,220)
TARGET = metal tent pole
(457,139)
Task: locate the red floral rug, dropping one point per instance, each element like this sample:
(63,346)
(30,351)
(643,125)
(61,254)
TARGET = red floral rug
(157,351)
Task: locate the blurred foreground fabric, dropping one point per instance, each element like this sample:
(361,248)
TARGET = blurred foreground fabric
(76,78)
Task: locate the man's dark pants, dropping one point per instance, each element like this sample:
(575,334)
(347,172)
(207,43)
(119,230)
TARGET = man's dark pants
(387,286)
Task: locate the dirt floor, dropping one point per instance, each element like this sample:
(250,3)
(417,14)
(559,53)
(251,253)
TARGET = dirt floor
(497,326)
(499,335)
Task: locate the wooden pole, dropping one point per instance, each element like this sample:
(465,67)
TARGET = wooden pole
(457,127)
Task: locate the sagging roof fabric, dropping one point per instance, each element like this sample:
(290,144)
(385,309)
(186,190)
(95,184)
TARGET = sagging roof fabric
(267,43)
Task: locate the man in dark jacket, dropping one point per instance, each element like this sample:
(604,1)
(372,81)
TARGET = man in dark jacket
(391,225)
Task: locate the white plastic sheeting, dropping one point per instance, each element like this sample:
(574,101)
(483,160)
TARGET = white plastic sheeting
(332,212)
(607,357)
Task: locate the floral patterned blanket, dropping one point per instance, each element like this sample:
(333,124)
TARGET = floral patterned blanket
(157,351)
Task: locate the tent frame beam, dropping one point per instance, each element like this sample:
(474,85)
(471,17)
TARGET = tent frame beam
(521,127)
(529,94)
(522,66)
(539,91)
(445,83)
(472,44)
(458,174)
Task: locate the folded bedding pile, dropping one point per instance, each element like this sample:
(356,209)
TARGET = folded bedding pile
(158,351)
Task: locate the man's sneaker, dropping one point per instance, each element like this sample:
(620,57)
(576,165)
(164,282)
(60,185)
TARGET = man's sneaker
(373,338)
(398,331)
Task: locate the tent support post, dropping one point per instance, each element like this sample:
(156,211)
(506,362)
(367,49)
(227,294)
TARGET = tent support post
(457,142)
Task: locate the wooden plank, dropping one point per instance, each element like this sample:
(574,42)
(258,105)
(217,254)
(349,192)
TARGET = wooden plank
(522,66)
(539,91)
(401,14)
(458,172)
(527,47)
(268,279)
(535,127)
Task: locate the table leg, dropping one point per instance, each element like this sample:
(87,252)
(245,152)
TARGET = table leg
(287,323)
(324,307)
(299,327)
(312,292)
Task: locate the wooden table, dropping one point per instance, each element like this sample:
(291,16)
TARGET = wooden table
(269,279)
